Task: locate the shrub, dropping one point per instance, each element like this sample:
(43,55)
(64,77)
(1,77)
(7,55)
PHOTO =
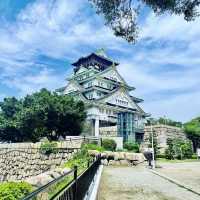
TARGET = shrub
(130,146)
(178,149)
(48,148)
(80,159)
(169,152)
(14,190)
(94,147)
(187,150)
(161,156)
(194,156)
(109,144)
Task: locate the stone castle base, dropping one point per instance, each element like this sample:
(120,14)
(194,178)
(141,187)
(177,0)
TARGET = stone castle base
(162,133)
(19,161)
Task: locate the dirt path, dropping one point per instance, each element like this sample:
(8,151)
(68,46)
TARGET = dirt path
(137,183)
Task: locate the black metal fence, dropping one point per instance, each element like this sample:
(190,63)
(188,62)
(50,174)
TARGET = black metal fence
(69,186)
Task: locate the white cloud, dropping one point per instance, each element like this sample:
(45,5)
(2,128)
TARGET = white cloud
(2,96)
(170,27)
(33,82)
(65,30)
(166,69)
(181,107)
(56,29)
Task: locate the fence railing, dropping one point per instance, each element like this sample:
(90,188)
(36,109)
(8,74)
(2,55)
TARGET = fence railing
(83,138)
(69,186)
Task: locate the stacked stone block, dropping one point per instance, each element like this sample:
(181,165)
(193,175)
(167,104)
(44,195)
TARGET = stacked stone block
(19,161)
(162,133)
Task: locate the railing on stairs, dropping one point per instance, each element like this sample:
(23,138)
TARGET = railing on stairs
(69,186)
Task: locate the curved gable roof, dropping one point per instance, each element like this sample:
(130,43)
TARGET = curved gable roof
(94,56)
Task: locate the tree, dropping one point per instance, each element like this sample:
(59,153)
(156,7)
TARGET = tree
(42,114)
(9,107)
(192,129)
(166,121)
(169,151)
(178,149)
(121,15)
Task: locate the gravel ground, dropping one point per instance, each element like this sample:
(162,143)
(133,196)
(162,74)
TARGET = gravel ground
(138,183)
(187,173)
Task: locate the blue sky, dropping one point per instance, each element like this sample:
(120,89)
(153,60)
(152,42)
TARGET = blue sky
(40,38)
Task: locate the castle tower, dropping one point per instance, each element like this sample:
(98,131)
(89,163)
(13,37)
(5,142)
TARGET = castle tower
(106,94)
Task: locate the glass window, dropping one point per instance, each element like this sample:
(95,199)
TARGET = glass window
(89,84)
(99,94)
(90,96)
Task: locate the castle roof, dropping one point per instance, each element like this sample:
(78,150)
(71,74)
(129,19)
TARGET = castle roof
(98,58)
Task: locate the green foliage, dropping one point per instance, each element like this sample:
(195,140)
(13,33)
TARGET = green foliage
(130,146)
(178,149)
(117,13)
(194,156)
(122,15)
(48,147)
(161,156)
(169,152)
(79,159)
(94,147)
(165,121)
(42,114)
(57,187)
(109,144)
(186,150)
(192,129)
(14,190)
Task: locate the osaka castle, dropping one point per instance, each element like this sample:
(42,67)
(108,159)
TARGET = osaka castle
(111,109)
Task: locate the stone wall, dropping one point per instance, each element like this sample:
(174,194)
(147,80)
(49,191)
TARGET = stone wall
(119,158)
(19,161)
(163,132)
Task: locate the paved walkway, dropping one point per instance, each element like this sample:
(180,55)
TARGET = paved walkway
(138,183)
(187,173)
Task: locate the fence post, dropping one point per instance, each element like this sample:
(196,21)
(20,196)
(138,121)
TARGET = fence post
(75,184)
(101,141)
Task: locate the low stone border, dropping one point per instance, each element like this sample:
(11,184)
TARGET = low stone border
(118,158)
(175,182)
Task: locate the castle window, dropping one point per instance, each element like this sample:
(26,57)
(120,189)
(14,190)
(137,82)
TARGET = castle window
(100,83)
(87,75)
(113,78)
(90,84)
(80,78)
(98,94)
(90,96)
(121,102)
(109,86)
(101,110)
